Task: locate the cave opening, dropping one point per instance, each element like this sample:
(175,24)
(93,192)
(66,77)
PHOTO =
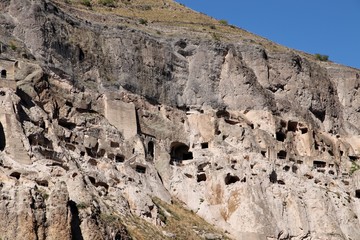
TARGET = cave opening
(140,169)
(273,177)
(353,158)
(15,175)
(292,126)
(286,168)
(319,164)
(151,148)
(280,136)
(304,130)
(2,138)
(3,73)
(230,179)
(204,145)
(357,193)
(201,177)
(281,154)
(179,152)
(119,158)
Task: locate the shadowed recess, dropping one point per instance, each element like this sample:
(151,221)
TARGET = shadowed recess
(2,138)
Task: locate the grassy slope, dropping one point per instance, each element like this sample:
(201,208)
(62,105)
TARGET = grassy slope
(179,222)
(169,17)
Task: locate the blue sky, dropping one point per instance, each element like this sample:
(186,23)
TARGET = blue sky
(330,27)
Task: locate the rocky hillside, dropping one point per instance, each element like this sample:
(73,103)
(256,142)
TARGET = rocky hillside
(141,119)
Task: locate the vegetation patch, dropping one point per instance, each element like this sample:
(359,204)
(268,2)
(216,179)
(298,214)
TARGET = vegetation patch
(86,3)
(43,193)
(321,57)
(108,3)
(12,45)
(143,21)
(354,168)
(223,22)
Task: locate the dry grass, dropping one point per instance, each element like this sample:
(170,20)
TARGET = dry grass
(169,17)
(182,223)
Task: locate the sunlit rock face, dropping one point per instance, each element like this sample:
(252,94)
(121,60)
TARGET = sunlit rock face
(99,117)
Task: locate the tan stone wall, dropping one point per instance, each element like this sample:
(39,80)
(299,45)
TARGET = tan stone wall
(4,83)
(14,145)
(123,116)
(9,67)
(9,80)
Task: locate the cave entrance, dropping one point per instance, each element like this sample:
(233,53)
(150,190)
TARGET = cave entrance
(292,126)
(282,154)
(280,136)
(151,148)
(357,193)
(179,152)
(140,169)
(2,138)
(230,179)
(3,73)
(319,164)
(204,145)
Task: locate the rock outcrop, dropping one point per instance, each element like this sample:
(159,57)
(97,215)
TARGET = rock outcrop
(106,124)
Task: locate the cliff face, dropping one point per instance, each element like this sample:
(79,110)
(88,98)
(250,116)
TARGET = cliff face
(108,123)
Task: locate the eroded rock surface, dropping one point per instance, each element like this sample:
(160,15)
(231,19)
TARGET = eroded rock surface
(100,119)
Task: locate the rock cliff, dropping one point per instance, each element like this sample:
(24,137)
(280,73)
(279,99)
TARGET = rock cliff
(118,124)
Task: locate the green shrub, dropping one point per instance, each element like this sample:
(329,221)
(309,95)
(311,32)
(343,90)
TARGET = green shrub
(12,45)
(43,193)
(321,57)
(223,22)
(143,21)
(86,3)
(108,3)
(354,168)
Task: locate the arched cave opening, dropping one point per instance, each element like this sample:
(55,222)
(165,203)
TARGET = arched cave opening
(179,152)
(3,73)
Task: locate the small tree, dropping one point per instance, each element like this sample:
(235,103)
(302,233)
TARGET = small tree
(108,3)
(223,22)
(321,57)
(12,45)
(143,21)
(86,3)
